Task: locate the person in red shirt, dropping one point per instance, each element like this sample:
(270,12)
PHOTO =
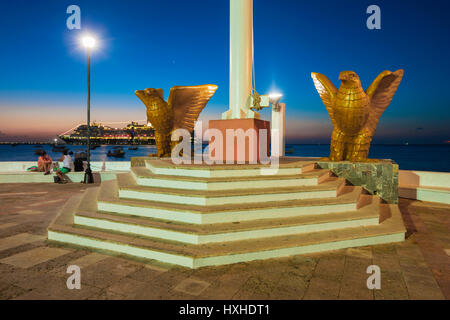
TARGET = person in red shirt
(45,163)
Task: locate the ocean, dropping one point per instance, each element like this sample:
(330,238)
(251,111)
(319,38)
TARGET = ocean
(409,157)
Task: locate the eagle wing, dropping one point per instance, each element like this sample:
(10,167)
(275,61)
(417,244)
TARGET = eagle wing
(327,92)
(381,92)
(188,102)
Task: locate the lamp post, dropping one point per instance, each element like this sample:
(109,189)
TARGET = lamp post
(89,44)
(278,131)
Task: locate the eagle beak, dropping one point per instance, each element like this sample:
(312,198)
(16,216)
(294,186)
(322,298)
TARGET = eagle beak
(140,94)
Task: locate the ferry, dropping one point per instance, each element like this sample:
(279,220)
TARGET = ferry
(133,133)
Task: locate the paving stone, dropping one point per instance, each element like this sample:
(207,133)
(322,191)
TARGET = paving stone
(303,266)
(255,288)
(145,274)
(28,211)
(422,287)
(10,292)
(290,287)
(108,295)
(156,268)
(35,280)
(227,285)
(192,286)
(33,257)
(330,267)
(322,289)
(43,203)
(265,277)
(125,287)
(355,290)
(89,259)
(18,240)
(365,252)
(108,271)
(160,287)
(58,290)
(8,225)
(393,287)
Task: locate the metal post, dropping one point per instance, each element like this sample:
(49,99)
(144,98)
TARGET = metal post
(278,129)
(88,177)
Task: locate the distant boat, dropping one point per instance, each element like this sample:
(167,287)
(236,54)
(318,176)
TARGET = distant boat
(102,134)
(133,148)
(116,152)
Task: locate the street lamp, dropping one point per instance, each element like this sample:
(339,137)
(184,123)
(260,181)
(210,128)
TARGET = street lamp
(275,100)
(89,43)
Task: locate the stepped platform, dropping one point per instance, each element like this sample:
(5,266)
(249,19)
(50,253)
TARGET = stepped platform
(198,215)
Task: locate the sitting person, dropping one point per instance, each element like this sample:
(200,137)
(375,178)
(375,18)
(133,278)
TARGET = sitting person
(45,163)
(67,167)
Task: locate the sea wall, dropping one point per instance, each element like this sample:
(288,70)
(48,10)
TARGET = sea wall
(16,172)
(96,166)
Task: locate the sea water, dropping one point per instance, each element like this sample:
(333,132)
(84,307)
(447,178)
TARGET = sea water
(409,157)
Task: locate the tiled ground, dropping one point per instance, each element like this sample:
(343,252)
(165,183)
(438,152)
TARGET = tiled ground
(29,269)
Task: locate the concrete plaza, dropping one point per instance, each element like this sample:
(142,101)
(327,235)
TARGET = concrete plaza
(30,268)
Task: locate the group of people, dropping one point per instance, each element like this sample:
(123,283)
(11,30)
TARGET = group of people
(45,164)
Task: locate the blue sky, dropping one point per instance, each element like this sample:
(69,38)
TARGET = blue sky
(156,43)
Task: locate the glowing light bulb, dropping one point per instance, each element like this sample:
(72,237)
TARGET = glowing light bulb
(88,42)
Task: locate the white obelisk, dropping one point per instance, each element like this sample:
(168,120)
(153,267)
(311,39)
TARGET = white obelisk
(241,60)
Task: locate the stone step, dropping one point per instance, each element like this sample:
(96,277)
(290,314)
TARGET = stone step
(285,167)
(201,234)
(195,256)
(430,194)
(145,177)
(108,201)
(129,189)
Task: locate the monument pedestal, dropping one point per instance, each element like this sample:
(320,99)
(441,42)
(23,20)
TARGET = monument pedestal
(242,140)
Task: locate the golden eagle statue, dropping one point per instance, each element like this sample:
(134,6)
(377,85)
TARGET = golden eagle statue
(355,113)
(181,111)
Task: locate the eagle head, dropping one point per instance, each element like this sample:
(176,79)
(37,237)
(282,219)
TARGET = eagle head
(349,77)
(152,98)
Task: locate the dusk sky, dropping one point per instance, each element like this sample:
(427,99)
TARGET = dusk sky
(162,43)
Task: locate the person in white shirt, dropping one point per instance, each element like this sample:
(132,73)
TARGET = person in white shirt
(67,167)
